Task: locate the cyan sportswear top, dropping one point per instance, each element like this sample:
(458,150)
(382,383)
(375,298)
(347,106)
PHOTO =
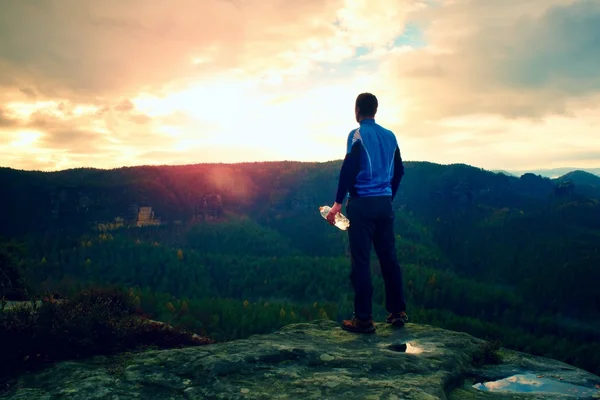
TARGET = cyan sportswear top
(373,165)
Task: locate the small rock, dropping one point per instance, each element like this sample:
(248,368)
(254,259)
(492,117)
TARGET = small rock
(244,390)
(327,357)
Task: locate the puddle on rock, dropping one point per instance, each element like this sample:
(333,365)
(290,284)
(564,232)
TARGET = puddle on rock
(405,348)
(530,383)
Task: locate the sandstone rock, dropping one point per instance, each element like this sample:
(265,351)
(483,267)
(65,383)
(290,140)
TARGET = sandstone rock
(305,361)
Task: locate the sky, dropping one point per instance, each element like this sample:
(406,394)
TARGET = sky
(510,85)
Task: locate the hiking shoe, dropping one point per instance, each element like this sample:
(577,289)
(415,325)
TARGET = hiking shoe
(397,319)
(359,326)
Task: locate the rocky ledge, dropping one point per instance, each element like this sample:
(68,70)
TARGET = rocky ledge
(314,360)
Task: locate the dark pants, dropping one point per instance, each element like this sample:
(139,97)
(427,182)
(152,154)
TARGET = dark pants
(372,222)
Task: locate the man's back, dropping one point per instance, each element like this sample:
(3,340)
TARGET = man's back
(377,148)
(371,173)
(375,155)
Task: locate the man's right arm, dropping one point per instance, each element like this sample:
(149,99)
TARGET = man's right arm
(349,171)
(398,172)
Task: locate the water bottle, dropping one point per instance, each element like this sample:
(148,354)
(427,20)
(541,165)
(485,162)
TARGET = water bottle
(341,221)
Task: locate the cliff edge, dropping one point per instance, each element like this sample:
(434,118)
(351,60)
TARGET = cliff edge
(316,360)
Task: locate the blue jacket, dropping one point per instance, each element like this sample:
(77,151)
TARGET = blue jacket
(373,165)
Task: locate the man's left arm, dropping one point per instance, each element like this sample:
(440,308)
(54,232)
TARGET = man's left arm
(398,172)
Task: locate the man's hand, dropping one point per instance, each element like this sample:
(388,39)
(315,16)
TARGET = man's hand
(335,209)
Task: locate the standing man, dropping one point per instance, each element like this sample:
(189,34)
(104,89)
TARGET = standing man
(371,173)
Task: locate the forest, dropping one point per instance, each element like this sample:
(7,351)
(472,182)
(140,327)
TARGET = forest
(231,250)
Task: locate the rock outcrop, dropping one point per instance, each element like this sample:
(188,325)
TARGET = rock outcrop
(312,361)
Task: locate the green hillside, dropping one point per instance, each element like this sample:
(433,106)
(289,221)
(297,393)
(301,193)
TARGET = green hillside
(228,250)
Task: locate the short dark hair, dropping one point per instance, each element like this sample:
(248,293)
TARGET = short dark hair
(367,104)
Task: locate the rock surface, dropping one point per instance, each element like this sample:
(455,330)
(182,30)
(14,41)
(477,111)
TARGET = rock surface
(314,360)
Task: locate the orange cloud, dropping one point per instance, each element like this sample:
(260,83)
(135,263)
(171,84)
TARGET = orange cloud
(90,48)
(195,74)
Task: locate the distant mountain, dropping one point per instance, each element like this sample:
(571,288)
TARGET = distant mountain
(582,182)
(155,194)
(501,171)
(581,178)
(84,197)
(555,172)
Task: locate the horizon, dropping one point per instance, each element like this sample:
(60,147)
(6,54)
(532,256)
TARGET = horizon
(552,173)
(111,85)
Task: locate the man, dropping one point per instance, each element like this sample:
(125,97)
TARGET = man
(370,174)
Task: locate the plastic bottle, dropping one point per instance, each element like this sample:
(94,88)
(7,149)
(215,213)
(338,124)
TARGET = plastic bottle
(341,221)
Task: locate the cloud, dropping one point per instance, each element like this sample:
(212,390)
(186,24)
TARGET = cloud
(102,48)
(520,59)
(5,120)
(496,142)
(91,48)
(110,83)
(148,80)
(580,155)
(56,134)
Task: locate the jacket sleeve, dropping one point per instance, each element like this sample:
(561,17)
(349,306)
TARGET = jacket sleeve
(349,171)
(398,172)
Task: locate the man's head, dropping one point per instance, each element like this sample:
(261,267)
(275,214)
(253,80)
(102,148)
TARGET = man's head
(365,107)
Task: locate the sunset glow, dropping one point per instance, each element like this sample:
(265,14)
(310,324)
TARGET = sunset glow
(107,84)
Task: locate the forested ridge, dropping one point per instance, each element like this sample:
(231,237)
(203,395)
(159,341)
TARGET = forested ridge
(228,250)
